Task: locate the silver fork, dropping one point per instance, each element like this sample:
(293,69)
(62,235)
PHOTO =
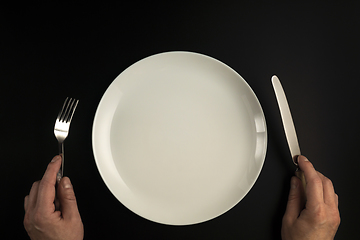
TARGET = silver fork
(61,129)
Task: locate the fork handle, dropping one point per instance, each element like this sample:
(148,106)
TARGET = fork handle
(60,174)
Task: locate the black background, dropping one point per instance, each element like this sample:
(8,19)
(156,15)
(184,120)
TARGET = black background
(52,50)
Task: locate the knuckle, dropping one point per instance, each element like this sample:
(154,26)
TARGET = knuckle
(35,184)
(317,182)
(33,220)
(338,220)
(292,197)
(26,221)
(38,221)
(69,195)
(286,220)
(327,181)
(26,200)
(38,218)
(320,215)
(44,183)
(335,219)
(325,216)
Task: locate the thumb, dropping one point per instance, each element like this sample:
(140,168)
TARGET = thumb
(295,203)
(67,199)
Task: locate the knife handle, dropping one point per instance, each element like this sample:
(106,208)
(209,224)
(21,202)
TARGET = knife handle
(300,174)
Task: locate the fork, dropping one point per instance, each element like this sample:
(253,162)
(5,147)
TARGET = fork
(61,129)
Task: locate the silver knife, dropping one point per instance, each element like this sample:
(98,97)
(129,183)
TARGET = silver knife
(288,126)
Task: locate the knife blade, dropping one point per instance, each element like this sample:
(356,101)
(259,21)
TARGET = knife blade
(289,127)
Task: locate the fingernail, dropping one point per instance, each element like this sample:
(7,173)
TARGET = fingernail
(66,183)
(303,158)
(56,158)
(296,159)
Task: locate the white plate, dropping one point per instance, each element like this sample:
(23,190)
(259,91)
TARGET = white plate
(179,138)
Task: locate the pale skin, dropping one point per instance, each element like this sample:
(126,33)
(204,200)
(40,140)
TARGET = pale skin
(42,221)
(318,218)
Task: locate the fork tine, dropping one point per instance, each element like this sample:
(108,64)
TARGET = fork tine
(61,113)
(72,110)
(67,110)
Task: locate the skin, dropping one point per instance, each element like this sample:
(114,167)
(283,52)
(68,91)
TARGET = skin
(42,221)
(319,217)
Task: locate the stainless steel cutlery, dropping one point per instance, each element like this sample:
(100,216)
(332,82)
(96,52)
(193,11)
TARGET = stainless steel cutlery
(61,129)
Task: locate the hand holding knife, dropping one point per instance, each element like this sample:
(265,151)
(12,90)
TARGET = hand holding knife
(288,126)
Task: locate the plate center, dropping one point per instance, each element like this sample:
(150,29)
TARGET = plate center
(182,138)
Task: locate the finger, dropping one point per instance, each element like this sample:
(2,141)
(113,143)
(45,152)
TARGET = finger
(26,201)
(336,200)
(67,199)
(32,197)
(328,189)
(46,193)
(314,188)
(295,203)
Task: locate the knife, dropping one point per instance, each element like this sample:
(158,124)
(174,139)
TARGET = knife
(288,126)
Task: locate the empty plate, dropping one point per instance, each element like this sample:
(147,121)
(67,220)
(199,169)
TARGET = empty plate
(179,138)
